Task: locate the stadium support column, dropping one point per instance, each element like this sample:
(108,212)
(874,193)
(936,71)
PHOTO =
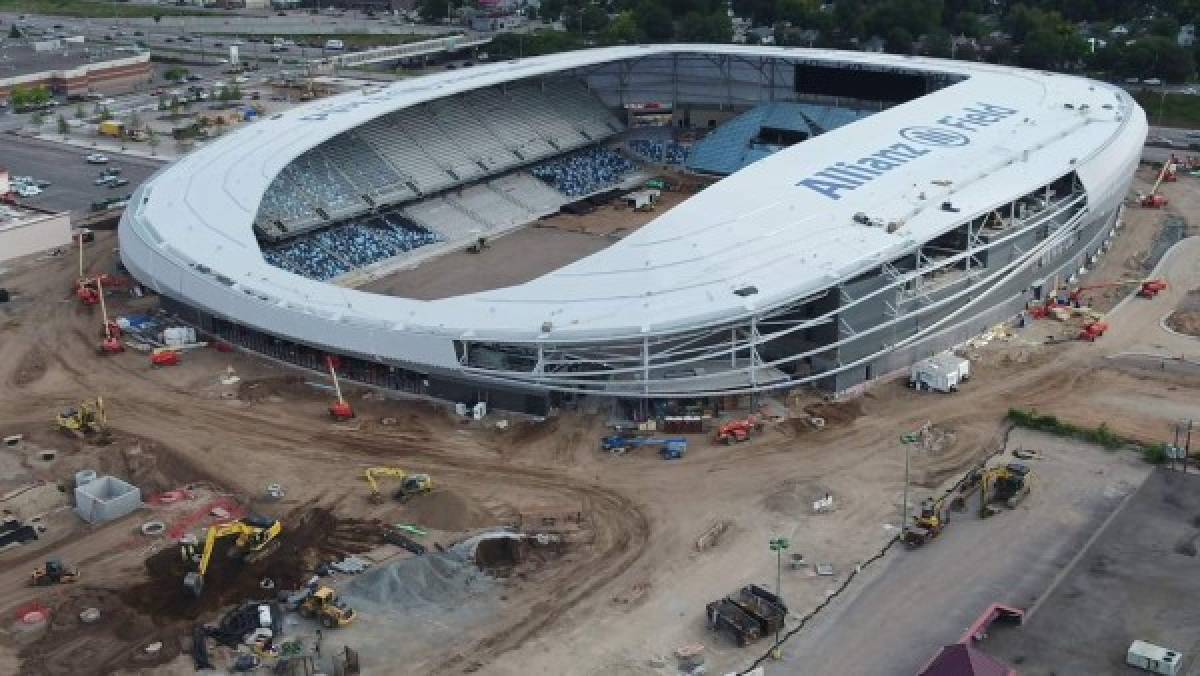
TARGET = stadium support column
(645,366)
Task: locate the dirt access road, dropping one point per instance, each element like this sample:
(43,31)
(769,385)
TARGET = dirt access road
(637,589)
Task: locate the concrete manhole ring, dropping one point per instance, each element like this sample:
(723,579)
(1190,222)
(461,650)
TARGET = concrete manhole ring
(153,528)
(89,615)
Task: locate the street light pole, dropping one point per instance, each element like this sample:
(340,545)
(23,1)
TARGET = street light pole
(779,545)
(906,440)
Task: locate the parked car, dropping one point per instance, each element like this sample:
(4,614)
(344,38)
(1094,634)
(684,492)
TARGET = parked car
(1153,82)
(27,190)
(192,77)
(96,158)
(117,181)
(109,171)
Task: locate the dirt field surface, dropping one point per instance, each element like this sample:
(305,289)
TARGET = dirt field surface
(1127,585)
(541,247)
(627,583)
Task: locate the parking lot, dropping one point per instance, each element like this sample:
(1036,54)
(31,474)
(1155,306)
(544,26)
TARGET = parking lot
(71,177)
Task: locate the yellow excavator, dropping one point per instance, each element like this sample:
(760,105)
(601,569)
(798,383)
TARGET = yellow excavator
(410,484)
(1007,483)
(87,418)
(255,539)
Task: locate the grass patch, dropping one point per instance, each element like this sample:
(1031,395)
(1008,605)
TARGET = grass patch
(101,10)
(1173,110)
(1101,436)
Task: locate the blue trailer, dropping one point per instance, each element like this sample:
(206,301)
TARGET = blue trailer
(671,448)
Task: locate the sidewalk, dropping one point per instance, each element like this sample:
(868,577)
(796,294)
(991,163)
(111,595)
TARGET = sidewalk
(166,151)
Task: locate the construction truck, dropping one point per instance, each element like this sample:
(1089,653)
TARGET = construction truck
(324,606)
(411,485)
(671,448)
(256,538)
(1151,288)
(54,572)
(86,419)
(738,430)
(927,525)
(1008,484)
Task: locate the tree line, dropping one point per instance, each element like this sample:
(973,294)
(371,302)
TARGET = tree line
(1064,35)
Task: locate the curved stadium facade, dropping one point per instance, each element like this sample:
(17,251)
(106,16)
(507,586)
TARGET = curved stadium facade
(958,193)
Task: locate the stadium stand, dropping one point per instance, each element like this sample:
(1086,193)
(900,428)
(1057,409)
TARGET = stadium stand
(429,148)
(585,172)
(538,198)
(654,150)
(763,130)
(325,254)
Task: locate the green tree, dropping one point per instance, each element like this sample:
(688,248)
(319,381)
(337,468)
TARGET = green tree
(899,40)
(938,43)
(654,21)
(552,10)
(152,140)
(175,73)
(433,10)
(79,112)
(23,98)
(622,30)
(37,119)
(175,106)
(594,18)
(697,27)
(63,127)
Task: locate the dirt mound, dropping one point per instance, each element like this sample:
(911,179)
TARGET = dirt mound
(1185,321)
(309,537)
(113,643)
(31,368)
(448,511)
(528,432)
(836,412)
(151,466)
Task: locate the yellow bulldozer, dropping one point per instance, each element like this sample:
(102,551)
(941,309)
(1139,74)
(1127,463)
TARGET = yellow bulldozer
(86,419)
(256,538)
(410,484)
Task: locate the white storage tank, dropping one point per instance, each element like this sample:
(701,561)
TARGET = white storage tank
(1153,658)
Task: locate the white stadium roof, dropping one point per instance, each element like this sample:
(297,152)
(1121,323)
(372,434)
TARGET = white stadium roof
(780,225)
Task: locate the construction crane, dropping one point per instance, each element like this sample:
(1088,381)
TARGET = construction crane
(87,418)
(410,484)
(255,539)
(928,524)
(339,410)
(1007,483)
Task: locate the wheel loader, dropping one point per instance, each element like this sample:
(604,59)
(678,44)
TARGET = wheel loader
(324,605)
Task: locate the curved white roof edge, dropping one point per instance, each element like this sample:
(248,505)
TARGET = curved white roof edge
(783,225)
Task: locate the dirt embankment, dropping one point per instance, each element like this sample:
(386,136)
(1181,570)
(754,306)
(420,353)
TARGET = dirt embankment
(1186,319)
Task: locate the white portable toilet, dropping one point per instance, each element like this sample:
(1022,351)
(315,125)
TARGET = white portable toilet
(1153,658)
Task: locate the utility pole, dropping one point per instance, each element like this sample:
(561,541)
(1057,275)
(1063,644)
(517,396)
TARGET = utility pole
(779,546)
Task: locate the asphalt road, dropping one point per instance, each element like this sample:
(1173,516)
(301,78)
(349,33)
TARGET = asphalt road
(70,177)
(917,601)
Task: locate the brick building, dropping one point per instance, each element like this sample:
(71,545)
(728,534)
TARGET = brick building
(75,72)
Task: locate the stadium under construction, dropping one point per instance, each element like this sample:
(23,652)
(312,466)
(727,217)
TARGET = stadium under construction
(870,210)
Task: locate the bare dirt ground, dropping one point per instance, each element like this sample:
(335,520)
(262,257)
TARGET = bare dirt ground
(530,252)
(633,589)
(1186,319)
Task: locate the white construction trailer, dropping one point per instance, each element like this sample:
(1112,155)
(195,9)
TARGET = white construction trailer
(940,373)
